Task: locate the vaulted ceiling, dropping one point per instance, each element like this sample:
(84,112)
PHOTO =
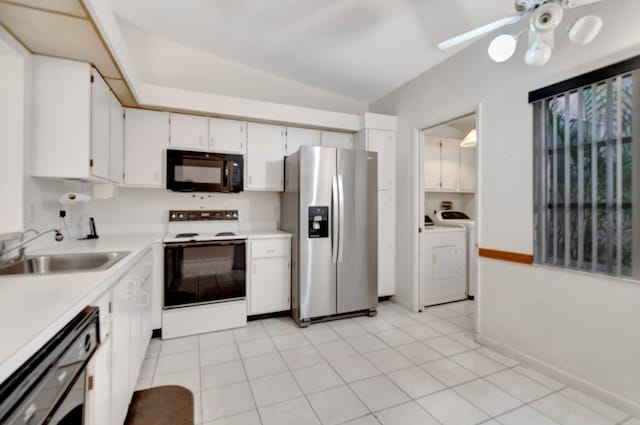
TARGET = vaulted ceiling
(361,49)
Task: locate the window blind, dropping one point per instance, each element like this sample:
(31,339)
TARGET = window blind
(584,150)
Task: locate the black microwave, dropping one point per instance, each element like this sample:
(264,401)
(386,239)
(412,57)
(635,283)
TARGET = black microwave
(189,171)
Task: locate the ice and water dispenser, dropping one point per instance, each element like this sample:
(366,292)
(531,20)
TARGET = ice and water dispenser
(318,222)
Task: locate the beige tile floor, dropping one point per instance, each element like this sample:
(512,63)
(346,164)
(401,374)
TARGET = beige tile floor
(399,368)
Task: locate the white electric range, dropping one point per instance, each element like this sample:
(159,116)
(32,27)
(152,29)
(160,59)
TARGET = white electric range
(204,273)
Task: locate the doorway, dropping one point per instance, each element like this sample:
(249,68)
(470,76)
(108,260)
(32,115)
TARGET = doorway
(447,209)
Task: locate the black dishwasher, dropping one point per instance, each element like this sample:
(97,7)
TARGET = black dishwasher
(50,387)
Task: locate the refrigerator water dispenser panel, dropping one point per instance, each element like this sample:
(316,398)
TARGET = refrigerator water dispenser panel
(318,222)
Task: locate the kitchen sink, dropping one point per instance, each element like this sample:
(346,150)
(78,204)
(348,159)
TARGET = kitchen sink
(63,263)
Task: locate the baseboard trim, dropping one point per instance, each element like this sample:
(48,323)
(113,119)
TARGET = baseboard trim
(616,400)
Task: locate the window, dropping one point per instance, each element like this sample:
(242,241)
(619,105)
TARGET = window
(585,163)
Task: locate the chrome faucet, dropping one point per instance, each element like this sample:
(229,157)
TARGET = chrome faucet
(21,245)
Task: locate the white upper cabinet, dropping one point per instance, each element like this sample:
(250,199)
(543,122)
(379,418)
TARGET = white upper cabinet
(100,125)
(189,132)
(450,164)
(227,136)
(146,134)
(334,139)
(382,142)
(432,163)
(297,137)
(264,163)
(447,166)
(71,121)
(467,169)
(116,140)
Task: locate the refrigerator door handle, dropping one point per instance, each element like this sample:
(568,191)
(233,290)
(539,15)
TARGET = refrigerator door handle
(334,218)
(341,222)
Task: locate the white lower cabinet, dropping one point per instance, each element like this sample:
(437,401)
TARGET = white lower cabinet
(121,390)
(99,398)
(269,280)
(125,322)
(386,242)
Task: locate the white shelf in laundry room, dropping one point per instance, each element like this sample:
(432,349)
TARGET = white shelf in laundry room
(444,263)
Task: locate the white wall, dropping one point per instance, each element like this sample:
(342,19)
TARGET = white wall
(13,85)
(135,210)
(445,131)
(464,202)
(26,202)
(512,296)
(166,63)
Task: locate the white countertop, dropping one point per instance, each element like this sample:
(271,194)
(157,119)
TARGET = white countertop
(34,308)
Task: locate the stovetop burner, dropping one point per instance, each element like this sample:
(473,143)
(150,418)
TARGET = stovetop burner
(225,234)
(186,235)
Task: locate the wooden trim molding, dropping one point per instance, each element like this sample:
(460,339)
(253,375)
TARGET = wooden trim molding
(513,257)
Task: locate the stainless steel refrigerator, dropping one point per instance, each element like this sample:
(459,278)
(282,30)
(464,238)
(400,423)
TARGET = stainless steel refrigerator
(330,206)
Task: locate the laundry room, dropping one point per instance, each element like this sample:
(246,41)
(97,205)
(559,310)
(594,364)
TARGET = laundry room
(448,241)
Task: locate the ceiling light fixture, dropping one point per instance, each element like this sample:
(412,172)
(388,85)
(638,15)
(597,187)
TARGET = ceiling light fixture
(585,29)
(503,47)
(470,140)
(544,17)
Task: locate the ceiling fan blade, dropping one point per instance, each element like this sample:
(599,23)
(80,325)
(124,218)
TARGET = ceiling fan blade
(475,33)
(577,3)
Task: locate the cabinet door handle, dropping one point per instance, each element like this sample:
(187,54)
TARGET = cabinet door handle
(211,141)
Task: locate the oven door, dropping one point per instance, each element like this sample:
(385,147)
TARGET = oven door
(203,172)
(204,272)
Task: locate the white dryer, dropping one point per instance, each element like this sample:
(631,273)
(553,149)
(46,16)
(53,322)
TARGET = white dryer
(460,219)
(444,264)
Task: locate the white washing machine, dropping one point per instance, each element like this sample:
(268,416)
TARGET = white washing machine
(444,264)
(460,219)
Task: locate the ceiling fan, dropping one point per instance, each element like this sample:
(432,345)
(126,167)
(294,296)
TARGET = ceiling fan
(545,16)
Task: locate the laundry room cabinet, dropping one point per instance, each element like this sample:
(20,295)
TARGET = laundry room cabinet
(76,122)
(447,166)
(269,275)
(444,265)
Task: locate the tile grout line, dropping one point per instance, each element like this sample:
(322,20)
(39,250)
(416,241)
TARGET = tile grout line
(244,369)
(296,381)
(394,348)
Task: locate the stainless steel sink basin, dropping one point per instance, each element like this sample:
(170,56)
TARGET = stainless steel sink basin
(63,263)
